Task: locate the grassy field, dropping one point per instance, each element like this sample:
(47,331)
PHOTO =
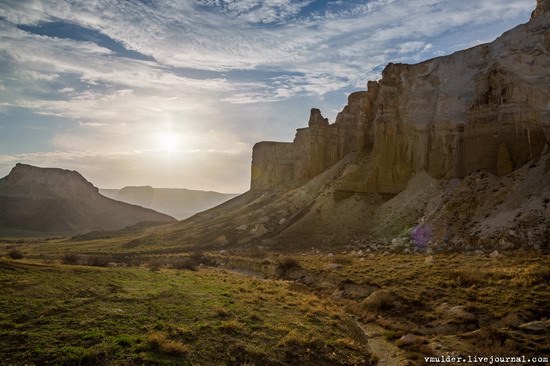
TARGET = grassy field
(75,315)
(109,301)
(433,304)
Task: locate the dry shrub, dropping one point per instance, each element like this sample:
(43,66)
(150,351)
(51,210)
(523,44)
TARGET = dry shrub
(97,260)
(160,342)
(466,277)
(285,265)
(492,341)
(183,263)
(16,254)
(71,258)
(534,275)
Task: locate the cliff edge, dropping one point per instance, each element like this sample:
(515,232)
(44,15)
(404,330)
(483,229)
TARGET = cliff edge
(486,108)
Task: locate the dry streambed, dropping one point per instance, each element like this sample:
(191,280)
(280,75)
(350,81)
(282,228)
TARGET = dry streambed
(411,306)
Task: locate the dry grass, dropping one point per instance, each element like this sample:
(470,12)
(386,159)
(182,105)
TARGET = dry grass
(160,341)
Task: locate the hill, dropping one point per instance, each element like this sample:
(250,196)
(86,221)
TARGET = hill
(57,201)
(177,202)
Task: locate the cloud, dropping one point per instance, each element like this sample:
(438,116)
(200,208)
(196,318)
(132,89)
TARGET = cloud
(219,73)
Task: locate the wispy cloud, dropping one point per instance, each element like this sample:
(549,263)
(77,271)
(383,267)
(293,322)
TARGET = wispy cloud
(239,68)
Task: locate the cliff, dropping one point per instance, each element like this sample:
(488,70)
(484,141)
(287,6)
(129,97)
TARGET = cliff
(486,108)
(57,201)
(448,154)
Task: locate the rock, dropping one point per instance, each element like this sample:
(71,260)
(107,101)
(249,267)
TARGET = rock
(334,266)
(479,252)
(242,227)
(543,6)
(258,230)
(282,221)
(263,220)
(386,253)
(221,240)
(359,254)
(429,260)
(495,254)
(536,326)
(409,339)
(272,165)
(379,300)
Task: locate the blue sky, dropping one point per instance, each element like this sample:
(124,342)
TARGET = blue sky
(175,93)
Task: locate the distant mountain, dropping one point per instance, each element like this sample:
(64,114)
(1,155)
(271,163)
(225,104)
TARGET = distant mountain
(178,202)
(51,200)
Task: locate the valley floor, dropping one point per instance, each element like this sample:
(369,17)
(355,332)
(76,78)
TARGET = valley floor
(254,308)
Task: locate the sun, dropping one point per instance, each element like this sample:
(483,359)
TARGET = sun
(167,141)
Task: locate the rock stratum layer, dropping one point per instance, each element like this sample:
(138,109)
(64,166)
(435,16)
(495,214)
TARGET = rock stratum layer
(486,108)
(51,200)
(448,154)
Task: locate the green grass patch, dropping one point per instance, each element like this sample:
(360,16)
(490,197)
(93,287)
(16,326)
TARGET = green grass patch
(67,314)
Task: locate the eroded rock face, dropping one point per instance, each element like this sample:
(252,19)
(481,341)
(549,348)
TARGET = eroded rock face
(543,6)
(272,165)
(486,108)
(314,148)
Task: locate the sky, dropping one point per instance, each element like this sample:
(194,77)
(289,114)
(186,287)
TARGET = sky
(174,93)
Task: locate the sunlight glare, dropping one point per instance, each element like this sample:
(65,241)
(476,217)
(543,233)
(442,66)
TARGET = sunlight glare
(167,141)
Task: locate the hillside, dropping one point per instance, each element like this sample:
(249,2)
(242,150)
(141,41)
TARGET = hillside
(450,153)
(177,202)
(57,201)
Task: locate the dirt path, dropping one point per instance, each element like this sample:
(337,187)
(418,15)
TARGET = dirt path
(388,353)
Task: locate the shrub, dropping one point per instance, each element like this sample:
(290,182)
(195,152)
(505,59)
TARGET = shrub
(534,275)
(71,258)
(183,263)
(98,260)
(467,277)
(200,258)
(16,254)
(285,265)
